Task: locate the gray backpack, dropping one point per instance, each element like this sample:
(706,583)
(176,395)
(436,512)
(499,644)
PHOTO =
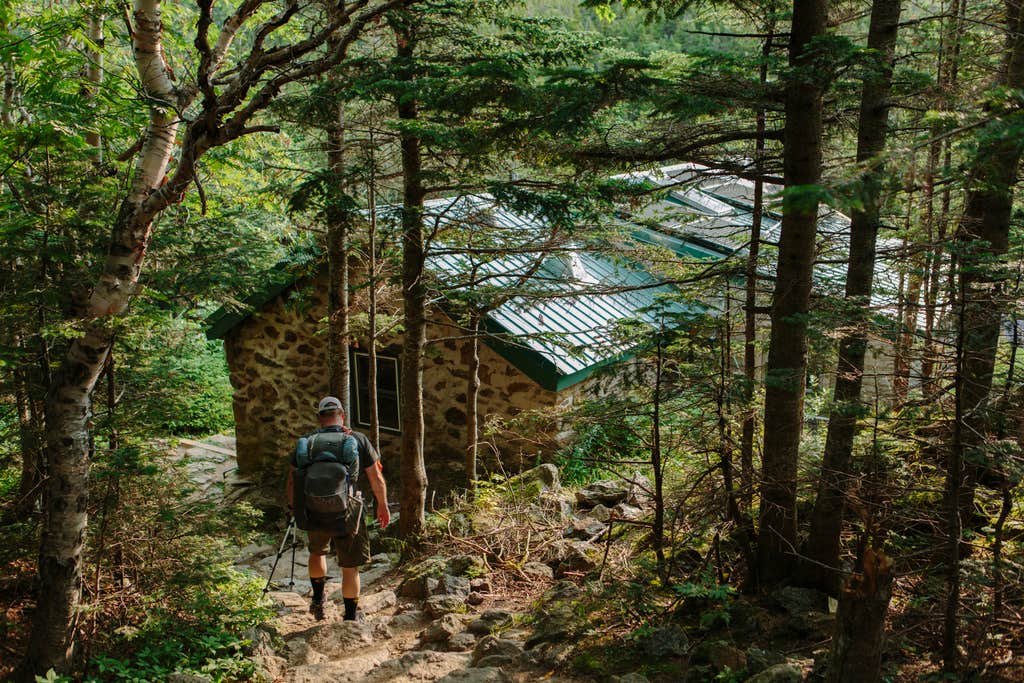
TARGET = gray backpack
(326,469)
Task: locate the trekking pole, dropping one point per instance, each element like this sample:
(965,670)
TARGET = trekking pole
(289,531)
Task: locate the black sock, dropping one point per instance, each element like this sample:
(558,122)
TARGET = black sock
(318,588)
(350,608)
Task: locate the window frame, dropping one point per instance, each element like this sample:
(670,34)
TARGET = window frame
(362,413)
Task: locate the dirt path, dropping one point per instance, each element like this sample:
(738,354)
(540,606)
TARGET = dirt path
(436,636)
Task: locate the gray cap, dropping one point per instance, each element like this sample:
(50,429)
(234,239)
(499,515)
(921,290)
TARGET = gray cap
(328,403)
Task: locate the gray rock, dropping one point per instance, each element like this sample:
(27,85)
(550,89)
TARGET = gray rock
(441,630)
(418,587)
(475,598)
(410,619)
(758,660)
(496,661)
(382,631)
(269,667)
(554,655)
(600,513)
(467,565)
(779,673)
(489,621)
(538,479)
(799,600)
(665,641)
(573,556)
(563,590)
(584,529)
(301,654)
(340,637)
(453,585)
(438,605)
(490,646)
(632,677)
(559,504)
(488,675)
(720,656)
(375,602)
(639,491)
(481,585)
(368,577)
(627,512)
(187,678)
(538,570)
(462,642)
(605,492)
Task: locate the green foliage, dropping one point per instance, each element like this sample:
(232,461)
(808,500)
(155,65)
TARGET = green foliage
(197,633)
(595,449)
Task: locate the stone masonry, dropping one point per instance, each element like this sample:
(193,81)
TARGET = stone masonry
(277,359)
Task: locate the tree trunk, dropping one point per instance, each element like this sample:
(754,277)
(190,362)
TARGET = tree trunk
(822,547)
(339,222)
(787,354)
(860,621)
(69,401)
(983,239)
(750,302)
(372,305)
(414,298)
(473,399)
(31,451)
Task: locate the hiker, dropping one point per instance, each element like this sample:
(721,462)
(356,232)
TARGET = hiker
(351,542)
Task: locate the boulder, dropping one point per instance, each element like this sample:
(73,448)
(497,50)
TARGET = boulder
(584,528)
(471,566)
(475,598)
(489,621)
(486,675)
(462,642)
(418,587)
(338,638)
(410,619)
(779,673)
(374,602)
(441,630)
(664,641)
(537,480)
(796,600)
(538,570)
(453,585)
(300,653)
(632,677)
(640,491)
(627,512)
(187,678)
(493,646)
(481,585)
(720,656)
(438,605)
(758,660)
(604,492)
(573,556)
(600,512)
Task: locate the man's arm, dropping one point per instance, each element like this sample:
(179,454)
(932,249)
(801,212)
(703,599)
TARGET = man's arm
(380,492)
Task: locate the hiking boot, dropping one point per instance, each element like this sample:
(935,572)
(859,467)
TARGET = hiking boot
(316,608)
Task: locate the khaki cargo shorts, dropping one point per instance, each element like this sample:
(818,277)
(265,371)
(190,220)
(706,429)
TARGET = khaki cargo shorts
(351,551)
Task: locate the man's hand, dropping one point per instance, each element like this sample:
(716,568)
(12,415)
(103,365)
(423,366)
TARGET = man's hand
(383,515)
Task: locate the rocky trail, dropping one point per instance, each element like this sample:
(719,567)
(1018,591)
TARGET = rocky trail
(444,621)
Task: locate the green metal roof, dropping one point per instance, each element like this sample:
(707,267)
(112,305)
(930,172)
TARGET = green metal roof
(570,330)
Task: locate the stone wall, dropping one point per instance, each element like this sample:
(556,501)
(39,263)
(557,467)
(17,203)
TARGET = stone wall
(277,359)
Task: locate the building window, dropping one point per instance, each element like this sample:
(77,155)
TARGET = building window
(388,408)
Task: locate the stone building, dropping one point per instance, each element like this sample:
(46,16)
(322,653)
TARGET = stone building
(538,355)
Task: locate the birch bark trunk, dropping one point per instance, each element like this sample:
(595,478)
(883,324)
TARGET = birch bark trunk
(68,402)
